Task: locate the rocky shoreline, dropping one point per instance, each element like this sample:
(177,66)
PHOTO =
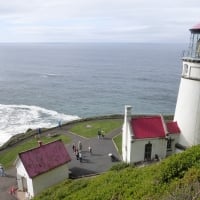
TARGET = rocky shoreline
(30,133)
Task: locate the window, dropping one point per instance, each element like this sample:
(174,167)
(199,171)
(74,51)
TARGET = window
(185,69)
(169,144)
(198,49)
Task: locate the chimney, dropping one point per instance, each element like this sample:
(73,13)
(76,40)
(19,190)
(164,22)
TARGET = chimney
(127,114)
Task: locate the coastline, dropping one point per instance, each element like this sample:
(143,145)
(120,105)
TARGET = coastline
(30,133)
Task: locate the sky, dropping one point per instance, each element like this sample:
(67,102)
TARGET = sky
(151,21)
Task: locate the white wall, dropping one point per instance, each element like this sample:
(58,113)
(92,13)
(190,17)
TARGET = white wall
(50,178)
(129,143)
(21,172)
(126,132)
(138,149)
(124,142)
(187,112)
(37,184)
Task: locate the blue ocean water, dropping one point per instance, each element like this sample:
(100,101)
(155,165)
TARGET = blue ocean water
(49,81)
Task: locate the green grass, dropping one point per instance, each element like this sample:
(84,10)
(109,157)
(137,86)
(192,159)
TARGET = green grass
(89,129)
(8,157)
(118,142)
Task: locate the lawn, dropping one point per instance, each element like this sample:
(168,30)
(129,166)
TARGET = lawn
(90,129)
(8,157)
(118,142)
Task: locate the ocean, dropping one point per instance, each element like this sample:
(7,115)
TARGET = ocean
(43,83)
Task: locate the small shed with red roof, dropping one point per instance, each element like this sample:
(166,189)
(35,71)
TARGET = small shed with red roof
(42,167)
(146,138)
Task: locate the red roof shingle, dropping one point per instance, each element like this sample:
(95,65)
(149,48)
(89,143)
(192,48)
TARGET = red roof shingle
(148,127)
(44,158)
(172,127)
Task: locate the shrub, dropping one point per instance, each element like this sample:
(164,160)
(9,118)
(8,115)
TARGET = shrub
(121,166)
(186,188)
(177,165)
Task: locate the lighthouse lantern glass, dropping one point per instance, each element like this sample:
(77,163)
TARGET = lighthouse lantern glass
(194,46)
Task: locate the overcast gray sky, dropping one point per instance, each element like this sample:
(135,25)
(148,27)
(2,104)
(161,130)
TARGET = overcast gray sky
(97,20)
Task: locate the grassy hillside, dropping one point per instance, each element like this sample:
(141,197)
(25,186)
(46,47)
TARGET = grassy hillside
(176,177)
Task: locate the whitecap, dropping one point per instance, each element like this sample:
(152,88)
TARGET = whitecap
(15,119)
(51,75)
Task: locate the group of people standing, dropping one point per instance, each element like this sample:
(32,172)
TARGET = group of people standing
(77,150)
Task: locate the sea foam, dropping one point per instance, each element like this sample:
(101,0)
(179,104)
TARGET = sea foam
(15,119)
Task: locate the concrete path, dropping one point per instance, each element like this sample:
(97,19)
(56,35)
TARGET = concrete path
(95,163)
(6,183)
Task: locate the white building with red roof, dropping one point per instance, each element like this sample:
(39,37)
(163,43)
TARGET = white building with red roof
(145,138)
(42,167)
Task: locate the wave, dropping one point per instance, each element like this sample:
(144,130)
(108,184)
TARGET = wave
(51,75)
(15,119)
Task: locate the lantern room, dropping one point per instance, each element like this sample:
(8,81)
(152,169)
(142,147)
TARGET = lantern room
(193,51)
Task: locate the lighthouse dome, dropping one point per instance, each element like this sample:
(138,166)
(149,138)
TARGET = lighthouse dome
(195,28)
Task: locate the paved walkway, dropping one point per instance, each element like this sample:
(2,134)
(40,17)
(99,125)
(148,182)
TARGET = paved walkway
(95,163)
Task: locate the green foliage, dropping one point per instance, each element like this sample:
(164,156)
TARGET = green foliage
(133,183)
(178,164)
(186,188)
(89,129)
(128,183)
(8,157)
(121,166)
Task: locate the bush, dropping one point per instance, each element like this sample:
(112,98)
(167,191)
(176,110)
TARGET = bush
(186,188)
(177,165)
(121,166)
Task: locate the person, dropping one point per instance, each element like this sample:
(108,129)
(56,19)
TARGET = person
(13,190)
(99,134)
(80,156)
(77,154)
(59,124)
(2,171)
(90,149)
(74,148)
(79,146)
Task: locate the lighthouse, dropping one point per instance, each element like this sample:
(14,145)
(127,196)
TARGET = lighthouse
(187,112)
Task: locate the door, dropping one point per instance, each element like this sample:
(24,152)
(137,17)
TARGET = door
(147,152)
(24,184)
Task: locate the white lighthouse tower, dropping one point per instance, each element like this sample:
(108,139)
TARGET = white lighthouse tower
(187,112)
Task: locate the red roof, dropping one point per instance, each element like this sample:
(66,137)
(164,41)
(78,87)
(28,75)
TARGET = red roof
(148,127)
(172,127)
(195,28)
(44,158)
